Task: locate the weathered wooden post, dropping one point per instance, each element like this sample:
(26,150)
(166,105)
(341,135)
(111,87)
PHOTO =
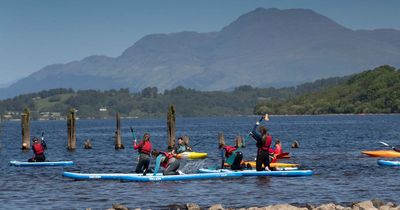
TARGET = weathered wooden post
(71,124)
(186,140)
(238,141)
(171,127)
(118,139)
(87,144)
(221,139)
(25,129)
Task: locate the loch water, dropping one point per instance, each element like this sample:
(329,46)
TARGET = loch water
(329,145)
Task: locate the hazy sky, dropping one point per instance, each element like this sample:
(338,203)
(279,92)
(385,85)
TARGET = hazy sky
(36,33)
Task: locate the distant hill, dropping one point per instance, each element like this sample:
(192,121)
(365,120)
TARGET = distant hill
(149,103)
(265,47)
(373,91)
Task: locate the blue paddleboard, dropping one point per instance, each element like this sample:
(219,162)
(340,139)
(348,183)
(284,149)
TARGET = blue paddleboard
(149,177)
(56,163)
(388,163)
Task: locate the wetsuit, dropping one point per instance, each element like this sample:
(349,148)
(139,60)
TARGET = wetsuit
(144,148)
(263,145)
(180,148)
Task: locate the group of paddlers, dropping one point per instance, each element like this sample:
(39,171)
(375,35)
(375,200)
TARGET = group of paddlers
(169,161)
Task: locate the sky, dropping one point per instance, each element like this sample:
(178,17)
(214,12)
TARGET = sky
(36,33)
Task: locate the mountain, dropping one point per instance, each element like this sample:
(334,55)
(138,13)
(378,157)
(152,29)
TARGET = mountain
(265,47)
(372,91)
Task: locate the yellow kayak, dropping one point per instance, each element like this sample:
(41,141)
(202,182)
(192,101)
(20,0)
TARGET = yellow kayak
(278,165)
(191,155)
(382,153)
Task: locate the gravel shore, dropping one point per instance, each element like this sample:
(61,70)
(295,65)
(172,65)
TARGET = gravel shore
(374,204)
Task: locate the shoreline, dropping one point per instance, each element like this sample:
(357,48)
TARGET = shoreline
(373,204)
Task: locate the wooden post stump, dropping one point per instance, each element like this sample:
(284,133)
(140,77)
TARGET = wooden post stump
(171,127)
(25,130)
(221,139)
(88,144)
(71,124)
(239,141)
(118,139)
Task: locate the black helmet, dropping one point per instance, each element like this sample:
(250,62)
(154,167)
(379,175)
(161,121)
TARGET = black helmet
(35,139)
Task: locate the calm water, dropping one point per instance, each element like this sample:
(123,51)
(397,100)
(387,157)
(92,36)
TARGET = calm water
(329,145)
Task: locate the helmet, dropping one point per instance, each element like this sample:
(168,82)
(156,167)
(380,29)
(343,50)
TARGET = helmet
(35,139)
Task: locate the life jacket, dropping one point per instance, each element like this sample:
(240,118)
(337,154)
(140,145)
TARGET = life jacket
(166,159)
(38,148)
(229,150)
(145,147)
(278,149)
(267,144)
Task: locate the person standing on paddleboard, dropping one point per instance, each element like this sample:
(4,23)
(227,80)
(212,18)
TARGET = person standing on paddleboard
(38,148)
(167,161)
(264,140)
(144,148)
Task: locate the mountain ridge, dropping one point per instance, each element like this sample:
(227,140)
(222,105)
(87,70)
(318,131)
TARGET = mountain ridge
(259,48)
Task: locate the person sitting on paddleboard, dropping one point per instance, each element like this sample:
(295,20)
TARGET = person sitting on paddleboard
(167,161)
(181,147)
(277,151)
(38,147)
(264,140)
(232,155)
(144,148)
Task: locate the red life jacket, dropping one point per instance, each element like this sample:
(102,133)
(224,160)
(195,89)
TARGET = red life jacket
(267,144)
(38,148)
(278,149)
(166,160)
(229,150)
(144,147)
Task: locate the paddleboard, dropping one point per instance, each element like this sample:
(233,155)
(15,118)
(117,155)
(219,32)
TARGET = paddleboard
(388,163)
(56,163)
(191,155)
(292,173)
(382,153)
(150,177)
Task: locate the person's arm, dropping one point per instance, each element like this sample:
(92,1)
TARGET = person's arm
(157,165)
(137,146)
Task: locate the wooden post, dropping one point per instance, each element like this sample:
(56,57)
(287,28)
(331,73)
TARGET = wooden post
(186,140)
(118,139)
(71,124)
(25,130)
(171,127)
(221,139)
(239,141)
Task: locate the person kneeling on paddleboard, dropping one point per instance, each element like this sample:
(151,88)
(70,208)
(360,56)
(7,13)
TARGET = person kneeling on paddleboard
(167,161)
(233,156)
(144,148)
(264,140)
(38,148)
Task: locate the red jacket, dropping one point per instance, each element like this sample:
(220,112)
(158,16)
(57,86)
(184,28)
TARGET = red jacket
(229,150)
(38,148)
(143,147)
(166,160)
(267,144)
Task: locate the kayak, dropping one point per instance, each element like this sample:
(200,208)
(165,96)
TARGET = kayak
(191,155)
(388,163)
(56,163)
(382,153)
(275,165)
(292,173)
(149,177)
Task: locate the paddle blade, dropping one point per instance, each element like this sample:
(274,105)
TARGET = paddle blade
(266,118)
(386,144)
(131,129)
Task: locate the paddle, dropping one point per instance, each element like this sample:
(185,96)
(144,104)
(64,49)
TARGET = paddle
(283,155)
(133,134)
(43,141)
(265,117)
(394,148)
